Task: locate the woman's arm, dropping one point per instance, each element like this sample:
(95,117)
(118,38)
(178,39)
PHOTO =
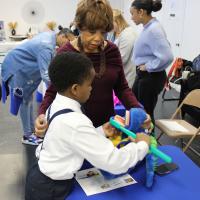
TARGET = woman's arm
(121,88)
(161,51)
(41,122)
(125,43)
(48,99)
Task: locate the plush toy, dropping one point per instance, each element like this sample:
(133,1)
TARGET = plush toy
(136,121)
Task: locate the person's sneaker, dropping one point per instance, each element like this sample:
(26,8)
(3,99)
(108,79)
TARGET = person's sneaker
(31,140)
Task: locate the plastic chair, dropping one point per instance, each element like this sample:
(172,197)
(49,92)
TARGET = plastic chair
(179,128)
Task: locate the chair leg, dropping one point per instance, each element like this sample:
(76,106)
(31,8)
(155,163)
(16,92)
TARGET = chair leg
(168,99)
(190,141)
(193,150)
(159,136)
(182,144)
(163,94)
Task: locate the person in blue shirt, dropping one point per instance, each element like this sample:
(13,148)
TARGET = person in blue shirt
(23,69)
(152,54)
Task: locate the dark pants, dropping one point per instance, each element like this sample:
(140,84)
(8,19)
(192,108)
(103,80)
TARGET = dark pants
(147,87)
(40,187)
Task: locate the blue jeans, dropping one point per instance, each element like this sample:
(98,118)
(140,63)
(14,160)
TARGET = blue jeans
(26,111)
(26,115)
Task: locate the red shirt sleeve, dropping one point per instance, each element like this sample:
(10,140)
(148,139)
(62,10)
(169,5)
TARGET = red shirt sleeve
(122,90)
(48,99)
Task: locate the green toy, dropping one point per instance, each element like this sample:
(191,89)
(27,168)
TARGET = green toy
(153,149)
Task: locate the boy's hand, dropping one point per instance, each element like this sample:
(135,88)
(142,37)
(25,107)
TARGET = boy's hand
(110,131)
(141,137)
(40,125)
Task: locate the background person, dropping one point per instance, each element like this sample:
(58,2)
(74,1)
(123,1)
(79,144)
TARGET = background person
(152,54)
(94,19)
(125,37)
(71,137)
(23,69)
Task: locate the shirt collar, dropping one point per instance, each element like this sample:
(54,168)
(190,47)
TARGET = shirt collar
(66,102)
(150,22)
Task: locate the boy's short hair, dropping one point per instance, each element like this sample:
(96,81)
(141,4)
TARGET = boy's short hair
(69,68)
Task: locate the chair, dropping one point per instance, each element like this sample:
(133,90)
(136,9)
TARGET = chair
(179,128)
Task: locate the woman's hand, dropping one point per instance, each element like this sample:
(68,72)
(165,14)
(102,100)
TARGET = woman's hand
(142,68)
(40,125)
(147,123)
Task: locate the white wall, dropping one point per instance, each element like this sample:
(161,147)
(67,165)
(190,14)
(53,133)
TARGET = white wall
(127,15)
(191,33)
(117,4)
(60,11)
(182,29)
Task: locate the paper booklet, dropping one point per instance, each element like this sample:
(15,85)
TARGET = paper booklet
(93,182)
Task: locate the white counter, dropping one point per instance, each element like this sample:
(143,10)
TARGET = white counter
(8,45)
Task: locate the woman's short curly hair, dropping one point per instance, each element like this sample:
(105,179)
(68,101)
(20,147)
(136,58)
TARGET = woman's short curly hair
(94,15)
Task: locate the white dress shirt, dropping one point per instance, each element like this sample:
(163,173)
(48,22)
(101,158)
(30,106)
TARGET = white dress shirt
(71,138)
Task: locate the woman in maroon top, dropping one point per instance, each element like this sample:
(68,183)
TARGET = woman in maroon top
(94,18)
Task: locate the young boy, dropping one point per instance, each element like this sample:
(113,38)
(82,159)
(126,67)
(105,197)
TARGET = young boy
(71,136)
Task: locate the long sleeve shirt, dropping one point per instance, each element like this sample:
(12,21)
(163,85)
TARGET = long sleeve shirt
(100,107)
(28,63)
(152,48)
(71,138)
(125,43)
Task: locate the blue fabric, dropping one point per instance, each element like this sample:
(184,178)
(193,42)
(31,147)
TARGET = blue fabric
(120,110)
(3,91)
(181,184)
(26,115)
(15,102)
(110,36)
(39,97)
(196,63)
(149,170)
(25,106)
(137,118)
(152,48)
(28,63)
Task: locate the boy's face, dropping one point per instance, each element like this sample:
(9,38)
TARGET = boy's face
(84,90)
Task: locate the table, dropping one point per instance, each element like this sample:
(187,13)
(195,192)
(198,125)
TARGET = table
(182,184)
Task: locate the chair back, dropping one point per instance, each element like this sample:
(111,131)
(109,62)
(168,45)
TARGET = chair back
(192,99)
